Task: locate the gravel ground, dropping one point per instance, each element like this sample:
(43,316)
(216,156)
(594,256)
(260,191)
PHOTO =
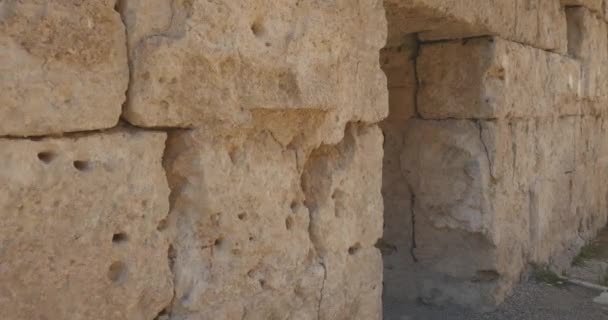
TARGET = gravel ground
(529,301)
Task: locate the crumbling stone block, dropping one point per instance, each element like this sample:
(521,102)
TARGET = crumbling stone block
(488,78)
(82,227)
(200,62)
(63,66)
(270,230)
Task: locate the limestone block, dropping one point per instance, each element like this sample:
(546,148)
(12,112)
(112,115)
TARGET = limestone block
(588,42)
(399,66)
(537,23)
(490,196)
(63,66)
(456,213)
(200,62)
(256,240)
(81,221)
(491,78)
(589,190)
(594,5)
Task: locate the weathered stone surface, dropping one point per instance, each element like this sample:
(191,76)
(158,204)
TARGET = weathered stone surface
(490,196)
(588,42)
(79,218)
(540,24)
(396,243)
(266,231)
(488,78)
(200,62)
(63,66)
(594,5)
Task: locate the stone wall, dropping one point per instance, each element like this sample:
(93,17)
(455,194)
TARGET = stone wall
(191,159)
(495,156)
(229,159)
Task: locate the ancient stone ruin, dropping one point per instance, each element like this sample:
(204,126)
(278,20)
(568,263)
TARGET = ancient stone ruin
(294,159)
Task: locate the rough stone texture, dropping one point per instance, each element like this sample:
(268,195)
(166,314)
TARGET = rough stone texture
(493,154)
(399,273)
(588,42)
(79,227)
(501,165)
(488,78)
(63,66)
(201,62)
(594,5)
(273,159)
(264,234)
(540,23)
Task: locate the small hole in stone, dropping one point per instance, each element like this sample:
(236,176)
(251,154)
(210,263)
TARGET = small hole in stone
(162,315)
(162,225)
(257,28)
(242,216)
(171,256)
(262,283)
(117,272)
(46,156)
(289,223)
(218,242)
(268,44)
(294,206)
(119,238)
(352,250)
(82,165)
(251,238)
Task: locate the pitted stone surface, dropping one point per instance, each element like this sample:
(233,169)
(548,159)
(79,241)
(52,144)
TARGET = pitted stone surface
(79,218)
(63,66)
(200,62)
(261,236)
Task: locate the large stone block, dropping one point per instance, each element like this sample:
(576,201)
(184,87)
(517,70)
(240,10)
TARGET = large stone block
(80,221)
(594,5)
(588,42)
(200,62)
(541,24)
(492,78)
(487,197)
(265,231)
(63,66)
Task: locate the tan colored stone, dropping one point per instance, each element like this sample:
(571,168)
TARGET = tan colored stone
(594,5)
(399,274)
(491,78)
(63,66)
(588,42)
(205,62)
(263,233)
(79,219)
(540,24)
(488,197)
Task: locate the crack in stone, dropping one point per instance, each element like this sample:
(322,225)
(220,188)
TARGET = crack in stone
(414,58)
(321,291)
(413,245)
(485,148)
